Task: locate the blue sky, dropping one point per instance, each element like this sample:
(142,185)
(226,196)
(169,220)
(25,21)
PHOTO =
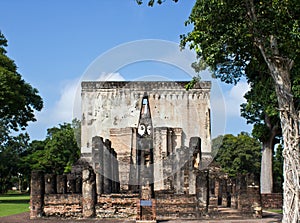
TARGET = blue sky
(54,42)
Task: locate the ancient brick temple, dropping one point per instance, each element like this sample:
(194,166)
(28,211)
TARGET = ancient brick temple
(145,150)
(111,110)
(159,132)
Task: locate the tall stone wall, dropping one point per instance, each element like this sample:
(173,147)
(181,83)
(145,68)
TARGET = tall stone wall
(108,105)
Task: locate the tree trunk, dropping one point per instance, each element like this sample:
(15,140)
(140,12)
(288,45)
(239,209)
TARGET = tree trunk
(266,173)
(280,68)
(280,71)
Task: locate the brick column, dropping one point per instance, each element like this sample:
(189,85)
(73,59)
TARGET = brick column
(113,171)
(37,194)
(61,184)
(78,185)
(202,191)
(50,184)
(194,153)
(97,157)
(107,171)
(71,183)
(89,197)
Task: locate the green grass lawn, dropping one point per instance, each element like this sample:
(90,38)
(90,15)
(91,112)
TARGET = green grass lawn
(13,204)
(278,211)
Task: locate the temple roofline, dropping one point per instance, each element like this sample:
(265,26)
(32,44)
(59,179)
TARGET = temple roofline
(143,85)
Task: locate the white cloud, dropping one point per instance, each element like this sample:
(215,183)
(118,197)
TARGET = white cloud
(110,77)
(69,104)
(225,106)
(63,109)
(235,97)
(67,107)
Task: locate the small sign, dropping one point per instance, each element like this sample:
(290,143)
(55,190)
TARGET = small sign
(146,203)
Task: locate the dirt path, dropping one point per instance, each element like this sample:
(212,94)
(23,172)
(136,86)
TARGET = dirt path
(24,218)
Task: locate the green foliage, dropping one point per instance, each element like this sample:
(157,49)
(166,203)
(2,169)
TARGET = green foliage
(216,144)
(152,2)
(238,154)
(226,33)
(18,99)
(56,153)
(11,153)
(261,108)
(192,83)
(76,125)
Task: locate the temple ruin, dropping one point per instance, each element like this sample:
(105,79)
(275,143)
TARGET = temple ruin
(111,110)
(145,151)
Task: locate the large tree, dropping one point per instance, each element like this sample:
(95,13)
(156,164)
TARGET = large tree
(11,165)
(228,35)
(261,111)
(57,152)
(18,99)
(238,154)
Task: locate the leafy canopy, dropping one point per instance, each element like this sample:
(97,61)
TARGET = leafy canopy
(18,99)
(226,33)
(238,154)
(57,152)
(11,153)
(152,2)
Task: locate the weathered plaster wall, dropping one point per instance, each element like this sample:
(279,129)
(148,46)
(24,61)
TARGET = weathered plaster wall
(107,105)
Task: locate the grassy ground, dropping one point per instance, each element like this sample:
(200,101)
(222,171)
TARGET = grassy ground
(278,211)
(13,204)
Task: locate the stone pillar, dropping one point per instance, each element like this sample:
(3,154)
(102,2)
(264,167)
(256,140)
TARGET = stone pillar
(202,191)
(37,194)
(97,158)
(170,147)
(242,195)
(160,150)
(61,184)
(107,167)
(194,155)
(78,185)
(177,138)
(114,173)
(133,173)
(234,195)
(117,174)
(71,183)
(89,197)
(253,191)
(218,190)
(50,184)
(177,169)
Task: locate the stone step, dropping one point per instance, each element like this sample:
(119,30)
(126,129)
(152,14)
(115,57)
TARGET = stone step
(177,209)
(176,215)
(174,202)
